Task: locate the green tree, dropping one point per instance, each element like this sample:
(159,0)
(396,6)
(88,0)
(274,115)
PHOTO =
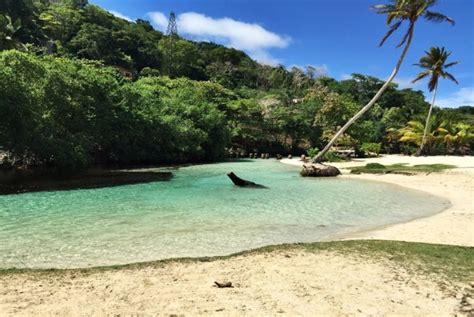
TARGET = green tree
(76,4)
(61,22)
(434,64)
(181,58)
(21,91)
(397,13)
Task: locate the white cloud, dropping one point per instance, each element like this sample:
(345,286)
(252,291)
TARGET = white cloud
(320,70)
(264,57)
(120,15)
(159,20)
(250,37)
(405,82)
(462,97)
(346,76)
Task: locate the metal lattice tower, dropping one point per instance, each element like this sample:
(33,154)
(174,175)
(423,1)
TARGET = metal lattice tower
(172,26)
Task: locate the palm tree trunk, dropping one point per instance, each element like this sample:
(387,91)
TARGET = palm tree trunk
(321,154)
(427,124)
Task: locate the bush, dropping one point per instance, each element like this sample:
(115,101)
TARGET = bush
(312,152)
(374,166)
(149,72)
(74,113)
(334,157)
(371,148)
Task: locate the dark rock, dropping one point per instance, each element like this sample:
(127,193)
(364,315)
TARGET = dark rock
(319,170)
(242,182)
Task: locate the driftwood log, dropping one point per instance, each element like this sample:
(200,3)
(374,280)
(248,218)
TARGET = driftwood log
(224,284)
(242,182)
(319,170)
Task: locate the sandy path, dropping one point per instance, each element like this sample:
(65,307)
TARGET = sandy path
(293,283)
(454,225)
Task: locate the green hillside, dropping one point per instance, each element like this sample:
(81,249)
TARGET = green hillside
(80,87)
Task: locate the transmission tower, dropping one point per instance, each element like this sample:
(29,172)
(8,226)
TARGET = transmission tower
(172,26)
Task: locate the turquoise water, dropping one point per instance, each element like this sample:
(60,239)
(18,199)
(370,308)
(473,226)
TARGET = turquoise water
(198,213)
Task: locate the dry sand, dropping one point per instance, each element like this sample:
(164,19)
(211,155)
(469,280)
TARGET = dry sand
(290,283)
(274,284)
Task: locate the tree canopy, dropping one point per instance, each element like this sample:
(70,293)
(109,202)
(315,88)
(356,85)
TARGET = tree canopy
(68,104)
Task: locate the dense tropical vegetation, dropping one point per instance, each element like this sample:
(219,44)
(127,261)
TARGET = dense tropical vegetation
(80,87)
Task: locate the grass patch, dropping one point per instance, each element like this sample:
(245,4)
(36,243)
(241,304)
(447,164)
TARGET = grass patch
(454,263)
(400,168)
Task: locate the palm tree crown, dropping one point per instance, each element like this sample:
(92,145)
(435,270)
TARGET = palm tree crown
(434,64)
(408,10)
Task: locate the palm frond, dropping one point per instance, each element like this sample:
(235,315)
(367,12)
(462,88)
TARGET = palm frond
(421,75)
(383,8)
(392,29)
(437,17)
(441,130)
(450,77)
(407,34)
(451,64)
(433,82)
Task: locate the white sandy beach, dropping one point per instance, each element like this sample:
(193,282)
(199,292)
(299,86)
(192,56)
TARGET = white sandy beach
(289,283)
(455,225)
(275,284)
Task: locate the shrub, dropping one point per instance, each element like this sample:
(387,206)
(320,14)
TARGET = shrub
(312,152)
(374,166)
(334,157)
(371,148)
(149,72)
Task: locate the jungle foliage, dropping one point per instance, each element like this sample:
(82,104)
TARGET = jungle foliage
(65,102)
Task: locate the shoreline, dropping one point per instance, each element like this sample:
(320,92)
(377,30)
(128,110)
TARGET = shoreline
(351,277)
(452,226)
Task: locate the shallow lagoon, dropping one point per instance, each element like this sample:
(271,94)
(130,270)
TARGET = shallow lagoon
(198,213)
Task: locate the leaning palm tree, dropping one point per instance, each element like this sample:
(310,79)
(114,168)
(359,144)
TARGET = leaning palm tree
(397,12)
(434,64)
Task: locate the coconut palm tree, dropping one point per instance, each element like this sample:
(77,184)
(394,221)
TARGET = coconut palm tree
(434,64)
(398,12)
(459,138)
(413,132)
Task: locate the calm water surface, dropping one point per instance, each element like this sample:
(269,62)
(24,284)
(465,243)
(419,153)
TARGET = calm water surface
(199,212)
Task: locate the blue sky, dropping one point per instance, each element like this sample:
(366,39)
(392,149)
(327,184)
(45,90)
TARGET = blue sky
(339,36)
